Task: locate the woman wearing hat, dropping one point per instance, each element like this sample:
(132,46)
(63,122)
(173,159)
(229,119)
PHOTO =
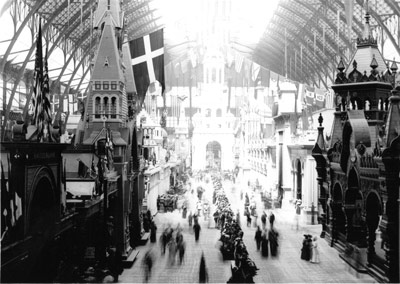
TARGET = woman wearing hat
(315,252)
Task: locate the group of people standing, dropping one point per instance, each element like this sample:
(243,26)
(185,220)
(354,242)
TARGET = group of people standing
(309,250)
(267,239)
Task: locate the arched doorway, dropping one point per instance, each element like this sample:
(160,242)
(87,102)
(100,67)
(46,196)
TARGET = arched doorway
(41,225)
(298,179)
(339,218)
(213,156)
(373,213)
(353,208)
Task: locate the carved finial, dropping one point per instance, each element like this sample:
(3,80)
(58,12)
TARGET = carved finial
(374,63)
(320,120)
(341,66)
(394,66)
(355,64)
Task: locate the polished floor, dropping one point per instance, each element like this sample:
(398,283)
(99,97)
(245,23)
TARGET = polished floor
(287,267)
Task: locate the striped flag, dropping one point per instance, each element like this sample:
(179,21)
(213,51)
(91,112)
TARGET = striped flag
(45,96)
(40,102)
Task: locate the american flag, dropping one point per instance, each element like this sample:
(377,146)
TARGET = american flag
(40,101)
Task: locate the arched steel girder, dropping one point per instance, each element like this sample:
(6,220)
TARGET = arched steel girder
(342,17)
(137,19)
(131,9)
(384,27)
(78,86)
(71,79)
(300,38)
(272,46)
(72,28)
(279,47)
(310,59)
(393,6)
(315,12)
(322,61)
(148,14)
(21,72)
(83,77)
(262,56)
(71,56)
(18,33)
(130,35)
(329,39)
(86,90)
(305,31)
(63,68)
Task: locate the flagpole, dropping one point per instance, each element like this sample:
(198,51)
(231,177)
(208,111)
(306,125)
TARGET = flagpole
(285,56)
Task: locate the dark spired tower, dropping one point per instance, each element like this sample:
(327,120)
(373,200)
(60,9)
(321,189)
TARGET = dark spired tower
(107,122)
(359,174)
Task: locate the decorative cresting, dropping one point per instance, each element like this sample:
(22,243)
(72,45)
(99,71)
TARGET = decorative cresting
(355,76)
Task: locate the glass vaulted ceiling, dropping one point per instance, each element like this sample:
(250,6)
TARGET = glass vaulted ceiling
(259,29)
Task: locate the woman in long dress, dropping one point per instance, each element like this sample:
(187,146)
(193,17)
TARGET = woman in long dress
(315,252)
(264,244)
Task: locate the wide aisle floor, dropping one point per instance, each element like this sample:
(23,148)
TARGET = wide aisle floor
(286,268)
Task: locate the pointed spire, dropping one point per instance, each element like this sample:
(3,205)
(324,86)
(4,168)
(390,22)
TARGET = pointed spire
(367,30)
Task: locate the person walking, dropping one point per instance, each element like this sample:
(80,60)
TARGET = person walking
(190,218)
(315,252)
(258,237)
(271,220)
(264,220)
(172,251)
(164,240)
(273,242)
(196,228)
(148,264)
(153,232)
(203,274)
(264,243)
(248,215)
(181,249)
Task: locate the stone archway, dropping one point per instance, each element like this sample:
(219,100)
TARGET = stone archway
(213,155)
(299,179)
(42,214)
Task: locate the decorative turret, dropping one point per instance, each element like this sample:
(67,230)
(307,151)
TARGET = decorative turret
(107,102)
(362,166)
